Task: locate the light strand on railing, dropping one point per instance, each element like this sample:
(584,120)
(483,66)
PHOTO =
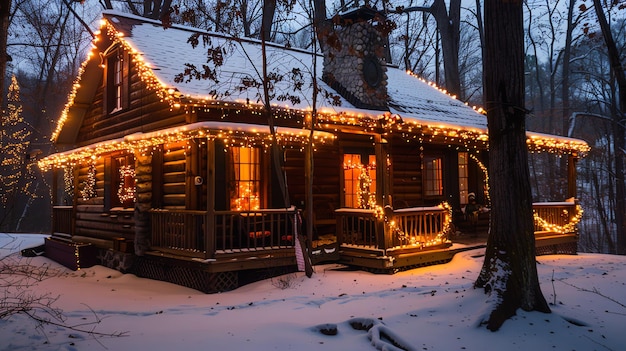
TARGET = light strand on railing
(440,238)
(561,229)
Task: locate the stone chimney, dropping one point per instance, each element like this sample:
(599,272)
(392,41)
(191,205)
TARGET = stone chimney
(354,64)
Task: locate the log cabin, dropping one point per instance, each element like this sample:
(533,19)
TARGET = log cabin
(177,161)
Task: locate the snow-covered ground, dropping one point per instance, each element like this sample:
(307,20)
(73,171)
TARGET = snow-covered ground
(431,308)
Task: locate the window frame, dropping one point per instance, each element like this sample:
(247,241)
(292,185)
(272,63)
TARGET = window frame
(116,82)
(113,180)
(433,187)
(351,179)
(463,166)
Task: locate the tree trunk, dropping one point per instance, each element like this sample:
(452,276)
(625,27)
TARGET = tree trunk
(565,92)
(509,271)
(619,141)
(5,10)
(323,26)
(448,23)
(269,9)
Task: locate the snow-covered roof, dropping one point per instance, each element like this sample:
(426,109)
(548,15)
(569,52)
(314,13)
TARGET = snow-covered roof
(163,54)
(167,51)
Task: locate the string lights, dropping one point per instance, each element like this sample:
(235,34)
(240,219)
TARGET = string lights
(230,133)
(248,199)
(422,241)
(327,119)
(89,187)
(126,189)
(68,179)
(485,171)
(569,227)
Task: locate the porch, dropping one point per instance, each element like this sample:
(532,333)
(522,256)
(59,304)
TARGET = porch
(227,240)
(382,240)
(412,237)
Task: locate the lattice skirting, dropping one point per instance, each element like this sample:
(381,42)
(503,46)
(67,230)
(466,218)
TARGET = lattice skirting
(570,248)
(189,276)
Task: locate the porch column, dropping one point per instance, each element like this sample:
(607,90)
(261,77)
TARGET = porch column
(572,160)
(383,197)
(209,227)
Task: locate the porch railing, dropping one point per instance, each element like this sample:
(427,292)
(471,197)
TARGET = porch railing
(416,227)
(63,220)
(194,233)
(420,226)
(556,217)
(179,230)
(359,227)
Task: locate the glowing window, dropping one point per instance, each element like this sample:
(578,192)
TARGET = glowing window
(359,181)
(246,179)
(463,177)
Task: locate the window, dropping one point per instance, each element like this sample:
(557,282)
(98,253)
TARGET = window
(123,177)
(116,82)
(117,85)
(463,177)
(433,179)
(359,181)
(245,189)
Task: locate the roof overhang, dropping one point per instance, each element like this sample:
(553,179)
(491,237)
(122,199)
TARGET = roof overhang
(232,134)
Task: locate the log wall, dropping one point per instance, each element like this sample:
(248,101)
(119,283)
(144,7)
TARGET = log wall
(326,180)
(145,112)
(174,170)
(93,219)
(406,175)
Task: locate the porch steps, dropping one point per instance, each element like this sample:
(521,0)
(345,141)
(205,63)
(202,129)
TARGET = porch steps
(377,262)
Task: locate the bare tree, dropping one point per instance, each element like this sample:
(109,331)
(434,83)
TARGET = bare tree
(509,271)
(448,24)
(618,69)
(5,9)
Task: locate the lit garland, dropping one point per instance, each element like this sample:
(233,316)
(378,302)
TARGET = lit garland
(89,188)
(124,192)
(570,227)
(68,179)
(439,239)
(485,171)
(365,198)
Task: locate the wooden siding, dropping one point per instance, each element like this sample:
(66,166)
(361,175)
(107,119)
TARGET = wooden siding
(326,181)
(406,175)
(145,112)
(174,176)
(92,218)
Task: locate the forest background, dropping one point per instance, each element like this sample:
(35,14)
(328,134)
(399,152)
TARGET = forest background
(571,87)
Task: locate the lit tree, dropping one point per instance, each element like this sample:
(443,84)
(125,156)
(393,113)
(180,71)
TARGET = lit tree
(14,142)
